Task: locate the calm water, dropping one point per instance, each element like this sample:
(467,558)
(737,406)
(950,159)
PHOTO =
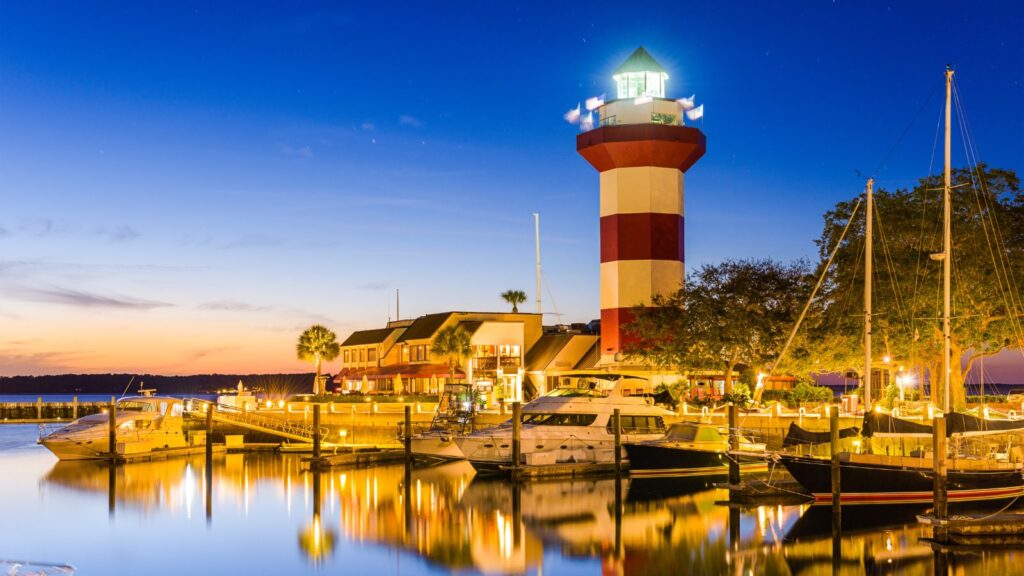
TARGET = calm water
(259,515)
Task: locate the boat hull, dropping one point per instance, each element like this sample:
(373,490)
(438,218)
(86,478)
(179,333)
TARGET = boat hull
(863,483)
(437,445)
(65,449)
(651,459)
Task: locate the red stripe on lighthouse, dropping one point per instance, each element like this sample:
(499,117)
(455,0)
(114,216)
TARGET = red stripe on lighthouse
(644,236)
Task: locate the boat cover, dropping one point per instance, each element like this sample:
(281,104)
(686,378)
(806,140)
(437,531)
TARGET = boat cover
(797,436)
(956,423)
(879,423)
(960,423)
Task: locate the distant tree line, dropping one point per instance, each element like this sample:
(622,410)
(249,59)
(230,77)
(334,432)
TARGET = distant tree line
(278,384)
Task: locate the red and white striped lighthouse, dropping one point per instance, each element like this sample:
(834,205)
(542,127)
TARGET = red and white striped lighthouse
(642,150)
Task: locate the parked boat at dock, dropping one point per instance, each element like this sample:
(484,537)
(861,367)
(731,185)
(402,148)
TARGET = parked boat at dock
(572,423)
(693,448)
(455,415)
(143,424)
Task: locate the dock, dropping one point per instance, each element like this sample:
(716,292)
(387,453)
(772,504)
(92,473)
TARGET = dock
(354,456)
(1002,528)
(166,453)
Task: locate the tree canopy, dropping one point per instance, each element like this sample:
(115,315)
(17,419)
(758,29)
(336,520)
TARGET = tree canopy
(317,344)
(452,342)
(738,312)
(514,297)
(988,272)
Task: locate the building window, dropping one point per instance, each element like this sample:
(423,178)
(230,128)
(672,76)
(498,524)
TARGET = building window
(345,358)
(419,353)
(405,353)
(668,119)
(362,355)
(371,355)
(510,350)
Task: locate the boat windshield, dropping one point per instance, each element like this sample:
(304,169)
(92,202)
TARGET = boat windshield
(693,433)
(135,406)
(576,393)
(559,419)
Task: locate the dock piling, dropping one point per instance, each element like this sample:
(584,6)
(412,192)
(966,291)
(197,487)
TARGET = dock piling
(316,431)
(209,433)
(837,509)
(939,491)
(74,408)
(408,433)
(617,424)
(112,419)
(734,444)
(517,428)
(39,408)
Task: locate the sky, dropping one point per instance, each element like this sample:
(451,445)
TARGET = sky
(184,187)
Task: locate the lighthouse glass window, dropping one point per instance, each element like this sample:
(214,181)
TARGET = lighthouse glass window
(637,84)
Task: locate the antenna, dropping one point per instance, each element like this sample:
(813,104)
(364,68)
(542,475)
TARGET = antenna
(398,306)
(536,234)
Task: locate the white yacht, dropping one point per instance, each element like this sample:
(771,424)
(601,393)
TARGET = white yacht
(572,423)
(144,423)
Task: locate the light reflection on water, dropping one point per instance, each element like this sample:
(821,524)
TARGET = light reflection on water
(260,514)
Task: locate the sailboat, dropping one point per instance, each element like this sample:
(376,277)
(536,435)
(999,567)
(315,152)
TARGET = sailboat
(909,478)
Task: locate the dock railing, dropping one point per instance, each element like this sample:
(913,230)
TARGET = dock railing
(257,421)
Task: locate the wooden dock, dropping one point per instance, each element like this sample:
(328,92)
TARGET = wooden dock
(164,454)
(355,456)
(1003,528)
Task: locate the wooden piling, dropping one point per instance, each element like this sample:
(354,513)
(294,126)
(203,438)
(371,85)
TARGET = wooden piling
(837,508)
(209,433)
(517,428)
(39,408)
(74,408)
(617,426)
(112,419)
(939,459)
(316,431)
(408,433)
(833,428)
(734,444)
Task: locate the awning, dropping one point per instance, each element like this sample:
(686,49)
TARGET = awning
(389,372)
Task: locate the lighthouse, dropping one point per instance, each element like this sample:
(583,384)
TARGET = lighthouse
(642,150)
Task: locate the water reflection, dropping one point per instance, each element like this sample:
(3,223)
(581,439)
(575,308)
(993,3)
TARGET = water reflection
(446,518)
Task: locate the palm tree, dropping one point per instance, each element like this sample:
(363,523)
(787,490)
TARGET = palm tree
(316,344)
(514,297)
(453,343)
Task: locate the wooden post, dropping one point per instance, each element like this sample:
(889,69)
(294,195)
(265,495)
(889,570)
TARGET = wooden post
(209,433)
(618,517)
(316,431)
(939,460)
(837,506)
(734,444)
(517,428)
(39,408)
(833,427)
(74,408)
(617,424)
(408,433)
(112,419)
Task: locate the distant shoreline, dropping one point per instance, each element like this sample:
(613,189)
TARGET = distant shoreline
(117,384)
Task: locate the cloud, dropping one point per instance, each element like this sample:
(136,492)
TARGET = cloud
(300,152)
(407,120)
(368,126)
(71,297)
(376,286)
(232,306)
(119,234)
(4,232)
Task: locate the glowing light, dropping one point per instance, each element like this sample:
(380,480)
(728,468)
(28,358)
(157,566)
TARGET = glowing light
(886,359)
(280,403)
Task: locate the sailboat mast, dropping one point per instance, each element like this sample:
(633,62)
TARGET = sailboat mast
(947,254)
(868,252)
(536,237)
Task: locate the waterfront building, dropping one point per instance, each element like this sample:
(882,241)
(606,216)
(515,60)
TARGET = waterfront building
(397,358)
(642,150)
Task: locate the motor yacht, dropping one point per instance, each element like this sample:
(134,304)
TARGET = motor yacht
(693,448)
(572,423)
(143,424)
(455,415)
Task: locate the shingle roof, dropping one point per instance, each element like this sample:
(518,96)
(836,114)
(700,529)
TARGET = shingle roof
(425,326)
(545,349)
(471,326)
(364,337)
(639,61)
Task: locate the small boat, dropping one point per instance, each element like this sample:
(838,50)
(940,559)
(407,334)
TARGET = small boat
(455,415)
(693,449)
(571,424)
(144,423)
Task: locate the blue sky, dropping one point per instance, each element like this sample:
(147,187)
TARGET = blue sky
(186,187)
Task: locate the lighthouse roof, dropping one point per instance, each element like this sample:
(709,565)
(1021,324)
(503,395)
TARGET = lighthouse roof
(639,61)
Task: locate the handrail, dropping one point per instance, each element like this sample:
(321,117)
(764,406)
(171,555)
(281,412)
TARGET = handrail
(265,422)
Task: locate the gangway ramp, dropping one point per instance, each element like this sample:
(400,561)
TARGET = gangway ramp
(254,420)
